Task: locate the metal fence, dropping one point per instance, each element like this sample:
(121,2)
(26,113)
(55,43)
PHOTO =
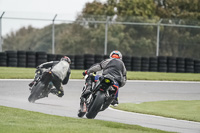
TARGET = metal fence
(132,36)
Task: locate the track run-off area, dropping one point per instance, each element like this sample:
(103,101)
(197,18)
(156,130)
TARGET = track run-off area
(15,92)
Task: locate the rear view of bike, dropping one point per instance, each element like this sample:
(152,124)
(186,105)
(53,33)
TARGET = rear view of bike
(41,87)
(101,97)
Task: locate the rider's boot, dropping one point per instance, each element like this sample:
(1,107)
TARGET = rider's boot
(59,92)
(115,102)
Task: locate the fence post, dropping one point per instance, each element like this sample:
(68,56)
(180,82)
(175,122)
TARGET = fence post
(158,37)
(106,36)
(1,32)
(53,35)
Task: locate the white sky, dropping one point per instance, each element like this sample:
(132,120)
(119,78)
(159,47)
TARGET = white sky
(69,8)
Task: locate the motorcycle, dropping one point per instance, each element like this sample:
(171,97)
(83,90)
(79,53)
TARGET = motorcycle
(42,85)
(102,95)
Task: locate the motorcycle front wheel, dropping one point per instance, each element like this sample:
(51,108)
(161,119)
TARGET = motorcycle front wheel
(96,105)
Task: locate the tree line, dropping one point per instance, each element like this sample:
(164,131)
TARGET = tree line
(82,37)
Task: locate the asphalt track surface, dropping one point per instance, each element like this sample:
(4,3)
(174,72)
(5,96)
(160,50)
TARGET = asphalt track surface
(14,93)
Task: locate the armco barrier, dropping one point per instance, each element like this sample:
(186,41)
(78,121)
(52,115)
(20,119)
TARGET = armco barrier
(31,59)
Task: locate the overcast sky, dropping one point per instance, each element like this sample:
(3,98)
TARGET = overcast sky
(68,7)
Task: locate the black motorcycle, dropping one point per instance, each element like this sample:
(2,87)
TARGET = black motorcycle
(42,85)
(102,95)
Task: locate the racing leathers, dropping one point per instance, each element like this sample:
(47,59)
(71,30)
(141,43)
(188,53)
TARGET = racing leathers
(61,72)
(112,66)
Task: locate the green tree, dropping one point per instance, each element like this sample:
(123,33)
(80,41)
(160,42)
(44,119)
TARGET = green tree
(86,36)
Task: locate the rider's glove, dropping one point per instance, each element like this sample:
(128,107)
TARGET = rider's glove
(85,72)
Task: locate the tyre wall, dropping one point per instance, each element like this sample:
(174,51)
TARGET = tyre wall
(32,59)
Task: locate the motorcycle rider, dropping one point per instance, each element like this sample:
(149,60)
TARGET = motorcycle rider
(113,66)
(61,72)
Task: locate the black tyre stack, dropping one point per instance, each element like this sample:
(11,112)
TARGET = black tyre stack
(145,64)
(136,64)
(41,57)
(106,56)
(21,55)
(162,64)
(79,62)
(189,65)
(11,58)
(171,64)
(180,65)
(127,61)
(3,59)
(30,59)
(98,58)
(197,66)
(89,60)
(72,58)
(58,57)
(153,64)
(51,57)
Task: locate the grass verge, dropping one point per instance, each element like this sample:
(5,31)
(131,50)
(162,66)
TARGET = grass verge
(178,109)
(21,121)
(28,73)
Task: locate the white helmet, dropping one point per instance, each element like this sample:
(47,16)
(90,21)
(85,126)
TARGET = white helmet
(116,54)
(65,58)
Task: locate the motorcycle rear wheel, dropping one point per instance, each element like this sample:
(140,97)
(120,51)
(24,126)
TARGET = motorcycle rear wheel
(36,90)
(96,106)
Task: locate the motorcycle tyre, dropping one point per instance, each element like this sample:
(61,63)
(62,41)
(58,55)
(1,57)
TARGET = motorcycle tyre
(36,92)
(96,106)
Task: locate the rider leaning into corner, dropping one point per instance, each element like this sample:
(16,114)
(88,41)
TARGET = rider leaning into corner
(61,72)
(113,66)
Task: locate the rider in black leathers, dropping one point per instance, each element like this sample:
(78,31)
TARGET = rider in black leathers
(113,66)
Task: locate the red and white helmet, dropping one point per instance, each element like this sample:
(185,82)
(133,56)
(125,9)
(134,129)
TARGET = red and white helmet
(65,58)
(116,54)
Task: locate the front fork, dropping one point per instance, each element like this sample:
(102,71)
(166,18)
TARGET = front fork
(83,106)
(85,103)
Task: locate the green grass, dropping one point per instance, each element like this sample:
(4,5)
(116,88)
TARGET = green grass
(28,73)
(163,76)
(21,121)
(16,73)
(179,109)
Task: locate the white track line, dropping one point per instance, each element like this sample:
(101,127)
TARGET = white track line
(132,81)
